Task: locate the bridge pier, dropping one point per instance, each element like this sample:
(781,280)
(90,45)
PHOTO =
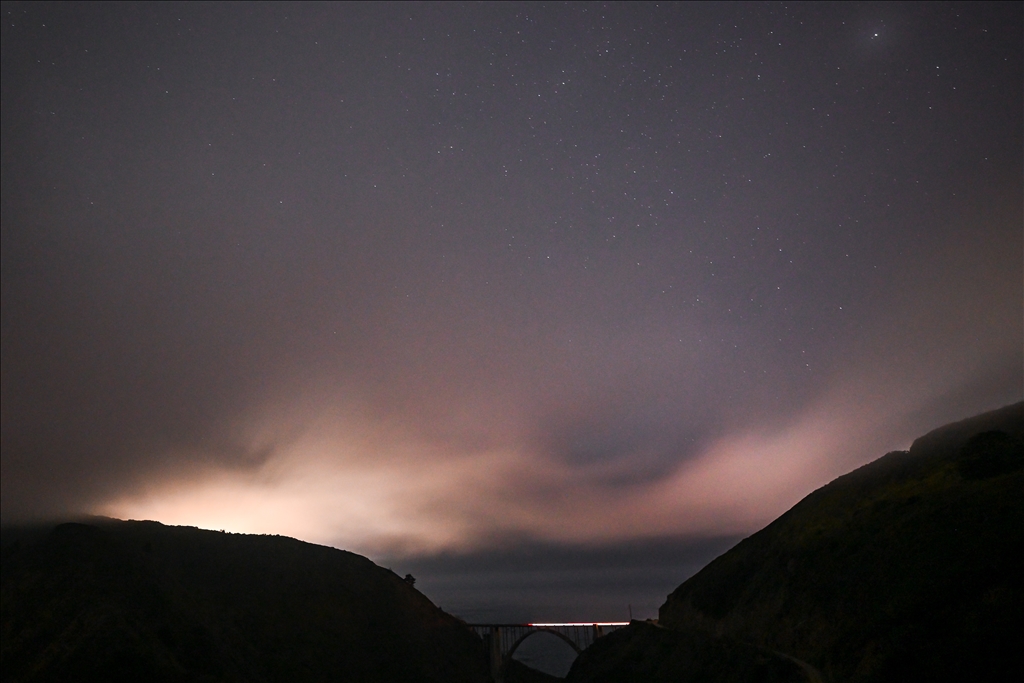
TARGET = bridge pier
(495,656)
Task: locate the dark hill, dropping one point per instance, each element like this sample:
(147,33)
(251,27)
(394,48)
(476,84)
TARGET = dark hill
(140,601)
(909,568)
(646,653)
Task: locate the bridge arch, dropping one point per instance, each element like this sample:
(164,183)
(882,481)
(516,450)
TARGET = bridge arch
(502,640)
(535,631)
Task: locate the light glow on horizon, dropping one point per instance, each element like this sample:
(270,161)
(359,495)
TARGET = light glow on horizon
(368,492)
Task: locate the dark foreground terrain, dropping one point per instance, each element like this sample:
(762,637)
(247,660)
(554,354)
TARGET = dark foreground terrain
(910,568)
(140,601)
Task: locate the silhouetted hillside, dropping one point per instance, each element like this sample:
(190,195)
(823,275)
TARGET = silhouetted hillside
(517,672)
(139,601)
(909,568)
(645,653)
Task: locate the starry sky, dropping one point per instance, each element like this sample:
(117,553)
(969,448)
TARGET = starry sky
(500,290)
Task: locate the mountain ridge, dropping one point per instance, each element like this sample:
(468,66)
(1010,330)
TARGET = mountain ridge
(910,567)
(123,601)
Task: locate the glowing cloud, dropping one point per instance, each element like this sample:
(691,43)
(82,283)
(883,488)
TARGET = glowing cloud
(389,491)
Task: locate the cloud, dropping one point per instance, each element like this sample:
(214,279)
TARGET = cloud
(576,449)
(307,320)
(384,488)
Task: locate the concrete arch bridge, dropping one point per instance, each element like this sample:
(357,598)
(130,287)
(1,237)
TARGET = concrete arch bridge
(502,640)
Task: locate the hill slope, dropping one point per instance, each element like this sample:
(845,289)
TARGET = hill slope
(132,601)
(645,653)
(909,568)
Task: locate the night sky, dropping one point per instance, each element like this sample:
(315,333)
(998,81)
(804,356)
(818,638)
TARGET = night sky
(564,296)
